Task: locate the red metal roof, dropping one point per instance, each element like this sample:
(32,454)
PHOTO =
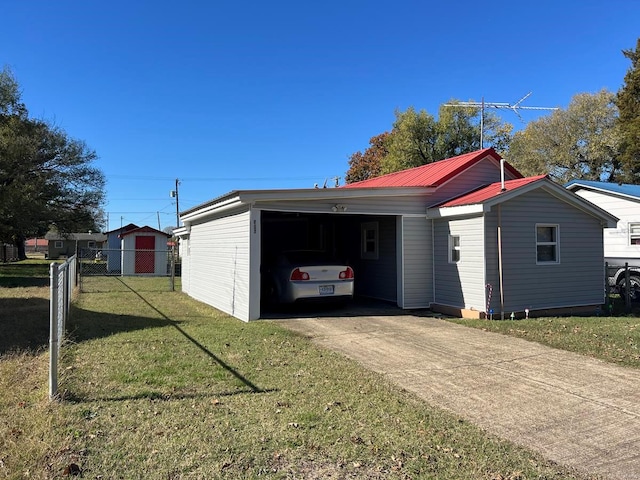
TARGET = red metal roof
(432,174)
(490,191)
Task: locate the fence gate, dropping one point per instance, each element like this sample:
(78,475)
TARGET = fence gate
(145,261)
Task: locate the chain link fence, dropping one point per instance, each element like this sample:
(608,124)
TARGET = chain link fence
(63,280)
(159,269)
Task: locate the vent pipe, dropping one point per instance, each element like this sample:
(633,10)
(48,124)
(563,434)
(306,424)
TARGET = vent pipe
(502,189)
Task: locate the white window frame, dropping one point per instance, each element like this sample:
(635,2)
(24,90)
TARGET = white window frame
(57,244)
(634,233)
(369,240)
(555,243)
(454,247)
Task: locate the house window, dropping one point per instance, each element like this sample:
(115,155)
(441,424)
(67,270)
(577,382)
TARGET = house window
(91,244)
(454,248)
(634,234)
(547,244)
(57,244)
(369,244)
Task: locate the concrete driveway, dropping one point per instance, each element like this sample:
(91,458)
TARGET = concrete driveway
(576,411)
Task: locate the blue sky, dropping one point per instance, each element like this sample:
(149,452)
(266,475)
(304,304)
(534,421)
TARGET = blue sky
(257,95)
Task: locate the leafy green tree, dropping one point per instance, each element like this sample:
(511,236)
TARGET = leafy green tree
(46,178)
(368,164)
(412,141)
(628,102)
(417,138)
(579,142)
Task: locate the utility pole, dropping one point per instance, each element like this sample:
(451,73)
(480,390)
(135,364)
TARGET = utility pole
(497,105)
(174,193)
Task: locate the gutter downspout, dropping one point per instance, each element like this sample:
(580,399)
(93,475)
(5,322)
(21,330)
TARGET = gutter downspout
(500,265)
(500,272)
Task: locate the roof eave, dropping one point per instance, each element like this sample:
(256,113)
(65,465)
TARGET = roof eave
(457,211)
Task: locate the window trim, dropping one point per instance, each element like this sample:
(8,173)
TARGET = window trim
(365,253)
(632,236)
(555,243)
(454,248)
(58,244)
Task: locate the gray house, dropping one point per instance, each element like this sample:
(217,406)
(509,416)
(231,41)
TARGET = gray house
(467,235)
(66,245)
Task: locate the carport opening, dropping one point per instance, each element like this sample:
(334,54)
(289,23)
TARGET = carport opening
(340,236)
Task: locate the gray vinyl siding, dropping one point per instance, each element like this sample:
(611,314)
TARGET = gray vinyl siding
(416,257)
(460,284)
(577,280)
(482,173)
(219,251)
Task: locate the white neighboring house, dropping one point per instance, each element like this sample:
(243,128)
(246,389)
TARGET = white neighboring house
(622,243)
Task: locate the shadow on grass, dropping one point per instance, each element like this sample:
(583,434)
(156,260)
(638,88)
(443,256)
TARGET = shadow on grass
(24,325)
(86,325)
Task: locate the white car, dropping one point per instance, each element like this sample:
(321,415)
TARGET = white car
(306,275)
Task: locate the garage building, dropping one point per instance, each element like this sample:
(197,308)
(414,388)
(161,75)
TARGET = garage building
(396,231)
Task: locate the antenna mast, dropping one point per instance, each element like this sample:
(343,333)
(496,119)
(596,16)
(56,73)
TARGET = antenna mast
(497,105)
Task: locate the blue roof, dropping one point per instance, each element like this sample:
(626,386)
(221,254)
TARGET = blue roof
(619,188)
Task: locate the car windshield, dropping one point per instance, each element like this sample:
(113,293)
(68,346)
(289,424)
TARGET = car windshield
(306,257)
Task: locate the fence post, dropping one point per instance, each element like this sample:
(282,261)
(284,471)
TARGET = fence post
(607,290)
(53,331)
(173,268)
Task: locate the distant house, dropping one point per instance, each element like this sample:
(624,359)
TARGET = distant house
(73,243)
(467,235)
(112,252)
(144,252)
(34,245)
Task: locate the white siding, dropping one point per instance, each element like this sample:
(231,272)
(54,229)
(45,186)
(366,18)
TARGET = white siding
(577,280)
(218,266)
(460,284)
(415,286)
(185,273)
(616,240)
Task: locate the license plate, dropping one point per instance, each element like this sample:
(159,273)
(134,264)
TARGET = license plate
(325,289)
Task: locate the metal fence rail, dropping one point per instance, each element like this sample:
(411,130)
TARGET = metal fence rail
(63,280)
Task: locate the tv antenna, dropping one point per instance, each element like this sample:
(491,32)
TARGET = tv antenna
(497,105)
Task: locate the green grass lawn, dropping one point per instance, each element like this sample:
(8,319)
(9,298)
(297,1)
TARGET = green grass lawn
(613,339)
(157,385)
